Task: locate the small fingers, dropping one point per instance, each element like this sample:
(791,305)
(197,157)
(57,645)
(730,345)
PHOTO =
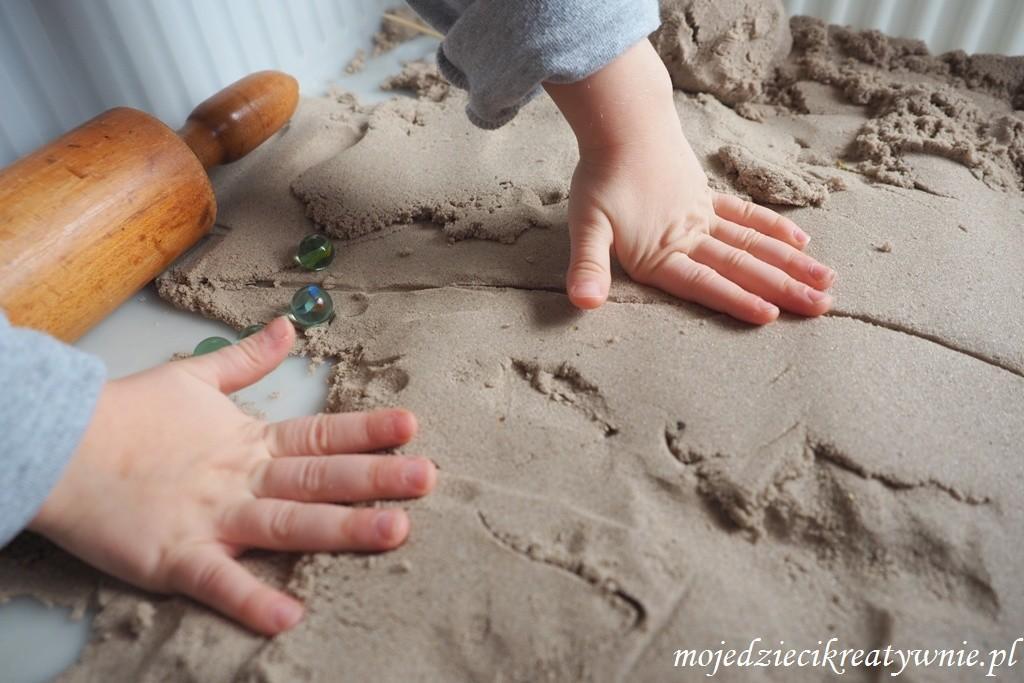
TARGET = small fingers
(212,578)
(760,218)
(792,261)
(331,434)
(345,479)
(687,279)
(311,527)
(762,279)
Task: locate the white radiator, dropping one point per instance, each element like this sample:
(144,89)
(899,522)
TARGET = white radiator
(63,61)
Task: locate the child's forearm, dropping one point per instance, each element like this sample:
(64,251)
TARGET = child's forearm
(620,106)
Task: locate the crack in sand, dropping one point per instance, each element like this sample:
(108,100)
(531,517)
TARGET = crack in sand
(576,568)
(836,458)
(779,376)
(268,283)
(288,279)
(921,187)
(559,290)
(934,339)
(272,283)
(692,25)
(778,437)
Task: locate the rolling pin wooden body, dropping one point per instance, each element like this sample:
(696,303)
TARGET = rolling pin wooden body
(93,216)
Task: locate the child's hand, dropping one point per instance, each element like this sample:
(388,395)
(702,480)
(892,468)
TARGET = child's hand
(172,482)
(640,190)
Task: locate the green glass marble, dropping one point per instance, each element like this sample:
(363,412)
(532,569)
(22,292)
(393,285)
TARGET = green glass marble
(315,252)
(311,306)
(249,331)
(209,345)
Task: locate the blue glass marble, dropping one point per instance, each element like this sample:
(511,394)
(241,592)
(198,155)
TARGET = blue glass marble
(311,306)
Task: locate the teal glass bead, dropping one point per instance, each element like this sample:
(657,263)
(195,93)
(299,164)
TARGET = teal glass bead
(249,331)
(315,252)
(209,345)
(311,306)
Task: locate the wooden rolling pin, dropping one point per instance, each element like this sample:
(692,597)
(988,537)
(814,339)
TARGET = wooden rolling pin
(93,216)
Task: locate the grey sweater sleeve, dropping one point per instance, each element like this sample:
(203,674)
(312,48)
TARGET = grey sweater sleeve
(48,390)
(502,50)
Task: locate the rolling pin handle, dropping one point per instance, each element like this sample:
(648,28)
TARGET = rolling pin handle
(241,117)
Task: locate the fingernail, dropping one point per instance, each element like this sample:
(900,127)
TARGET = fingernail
(416,475)
(278,330)
(816,296)
(586,290)
(820,272)
(387,523)
(769,308)
(286,614)
(800,236)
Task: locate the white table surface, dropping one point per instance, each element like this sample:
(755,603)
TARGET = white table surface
(38,642)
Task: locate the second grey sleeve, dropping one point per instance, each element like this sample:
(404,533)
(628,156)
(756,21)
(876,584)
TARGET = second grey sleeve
(500,51)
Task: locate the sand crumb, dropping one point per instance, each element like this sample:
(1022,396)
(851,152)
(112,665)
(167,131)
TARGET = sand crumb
(357,63)
(141,618)
(421,77)
(392,34)
(250,408)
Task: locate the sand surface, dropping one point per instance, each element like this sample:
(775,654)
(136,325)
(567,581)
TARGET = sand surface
(620,484)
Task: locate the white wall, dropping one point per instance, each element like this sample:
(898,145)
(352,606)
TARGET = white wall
(63,61)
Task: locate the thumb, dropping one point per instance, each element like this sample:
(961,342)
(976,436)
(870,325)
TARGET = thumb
(589,277)
(239,365)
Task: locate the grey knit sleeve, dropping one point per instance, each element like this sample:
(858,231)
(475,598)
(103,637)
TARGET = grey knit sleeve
(500,51)
(48,390)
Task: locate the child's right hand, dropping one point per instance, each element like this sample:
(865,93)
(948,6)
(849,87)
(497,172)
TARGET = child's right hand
(172,482)
(639,190)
